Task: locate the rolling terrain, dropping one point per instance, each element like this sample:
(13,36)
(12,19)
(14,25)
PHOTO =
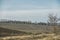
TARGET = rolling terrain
(8,32)
(22,31)
(25,27)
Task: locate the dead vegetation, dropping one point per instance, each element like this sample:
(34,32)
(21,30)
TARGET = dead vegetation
(33,37)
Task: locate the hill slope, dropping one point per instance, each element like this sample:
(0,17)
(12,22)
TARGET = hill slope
(27,27)
(9,32)
(23,27)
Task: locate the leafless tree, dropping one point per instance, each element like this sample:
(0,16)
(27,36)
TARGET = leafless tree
(52,20)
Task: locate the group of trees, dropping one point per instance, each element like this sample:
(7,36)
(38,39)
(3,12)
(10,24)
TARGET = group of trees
(52,20)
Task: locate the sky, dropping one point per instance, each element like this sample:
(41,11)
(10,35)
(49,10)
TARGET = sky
(28,10)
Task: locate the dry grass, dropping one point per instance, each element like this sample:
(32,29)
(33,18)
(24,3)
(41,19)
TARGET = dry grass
(33,37)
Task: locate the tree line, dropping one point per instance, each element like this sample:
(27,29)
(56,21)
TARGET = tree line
(52,20)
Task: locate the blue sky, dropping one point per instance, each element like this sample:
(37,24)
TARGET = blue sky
(32,10)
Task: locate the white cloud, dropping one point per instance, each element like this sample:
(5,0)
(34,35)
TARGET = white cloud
(28,14)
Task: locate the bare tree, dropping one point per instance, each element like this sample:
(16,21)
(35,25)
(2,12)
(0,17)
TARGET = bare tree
(52,20)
